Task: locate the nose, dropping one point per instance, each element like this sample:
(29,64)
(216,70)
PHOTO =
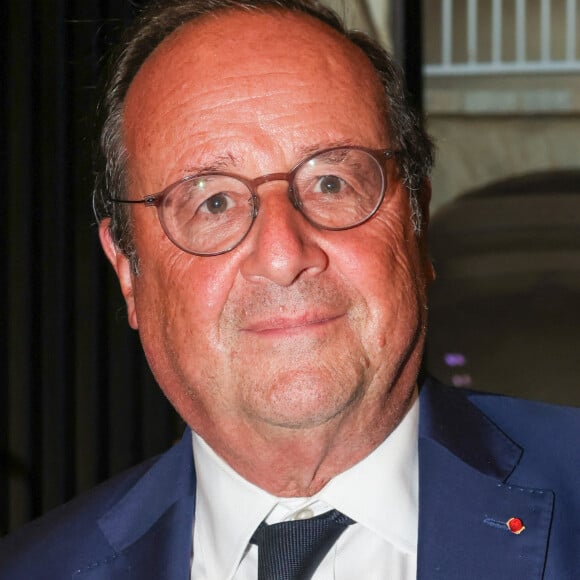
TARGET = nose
(282,245)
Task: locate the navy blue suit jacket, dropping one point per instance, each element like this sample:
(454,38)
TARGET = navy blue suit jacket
(483,459)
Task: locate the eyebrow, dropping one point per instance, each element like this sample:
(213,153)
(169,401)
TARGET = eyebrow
(227,161)
(218,163)
(309,150)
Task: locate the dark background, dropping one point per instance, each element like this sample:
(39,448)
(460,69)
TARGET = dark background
(77,402)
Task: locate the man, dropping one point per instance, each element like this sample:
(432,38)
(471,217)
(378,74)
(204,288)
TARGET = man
(264,206)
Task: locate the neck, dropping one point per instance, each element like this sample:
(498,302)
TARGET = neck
(299,462)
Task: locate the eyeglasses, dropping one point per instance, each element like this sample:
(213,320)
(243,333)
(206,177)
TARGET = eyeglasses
(211,213)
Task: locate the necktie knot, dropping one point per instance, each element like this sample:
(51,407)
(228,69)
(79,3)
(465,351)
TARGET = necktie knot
(293,550)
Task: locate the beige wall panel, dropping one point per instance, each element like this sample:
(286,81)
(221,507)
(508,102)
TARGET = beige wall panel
(475,151)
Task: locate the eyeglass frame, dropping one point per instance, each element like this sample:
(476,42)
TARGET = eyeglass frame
(156,199)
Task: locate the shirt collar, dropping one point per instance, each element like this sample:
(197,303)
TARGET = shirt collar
(380,492)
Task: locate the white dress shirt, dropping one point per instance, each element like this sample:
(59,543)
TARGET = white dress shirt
(380,493)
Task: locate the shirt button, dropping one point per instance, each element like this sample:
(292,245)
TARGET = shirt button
(303,514)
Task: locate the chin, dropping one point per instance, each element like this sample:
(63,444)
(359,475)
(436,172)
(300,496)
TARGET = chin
(308,403)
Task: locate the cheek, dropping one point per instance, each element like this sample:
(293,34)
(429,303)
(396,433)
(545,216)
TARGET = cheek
(179,301)
(179,295)
(385,269)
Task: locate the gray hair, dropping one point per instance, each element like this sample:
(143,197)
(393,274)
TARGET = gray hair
(162,17)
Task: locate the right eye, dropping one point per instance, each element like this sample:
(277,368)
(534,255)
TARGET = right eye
(217,204)
(330,184)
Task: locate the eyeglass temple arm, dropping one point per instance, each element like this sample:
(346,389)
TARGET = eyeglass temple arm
(149,200)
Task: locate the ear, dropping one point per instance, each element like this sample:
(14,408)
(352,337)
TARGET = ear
(424,198)
(122,267)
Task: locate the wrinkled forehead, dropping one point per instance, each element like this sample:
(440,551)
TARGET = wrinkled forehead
(259,46)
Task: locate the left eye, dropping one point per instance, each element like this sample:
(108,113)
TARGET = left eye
(329,184)
(217,203)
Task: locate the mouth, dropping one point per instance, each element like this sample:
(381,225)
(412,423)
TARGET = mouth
(284,325)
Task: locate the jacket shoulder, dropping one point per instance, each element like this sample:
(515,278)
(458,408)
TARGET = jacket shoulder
(57,544)
(548,434)
(527,416)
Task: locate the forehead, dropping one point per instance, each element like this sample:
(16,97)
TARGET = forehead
(229,36)
(255,68)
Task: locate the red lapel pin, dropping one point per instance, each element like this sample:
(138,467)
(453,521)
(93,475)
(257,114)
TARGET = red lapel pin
(515,525)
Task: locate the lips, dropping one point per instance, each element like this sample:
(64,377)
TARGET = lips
(283,324)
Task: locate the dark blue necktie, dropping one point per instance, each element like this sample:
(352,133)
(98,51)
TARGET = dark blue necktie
(293,550)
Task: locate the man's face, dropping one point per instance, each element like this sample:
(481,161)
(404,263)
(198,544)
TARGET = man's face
(296,327)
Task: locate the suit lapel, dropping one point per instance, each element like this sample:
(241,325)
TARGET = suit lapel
(465,500)
(150,528)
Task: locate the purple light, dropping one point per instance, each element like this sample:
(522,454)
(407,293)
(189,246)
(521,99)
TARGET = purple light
(455,359)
